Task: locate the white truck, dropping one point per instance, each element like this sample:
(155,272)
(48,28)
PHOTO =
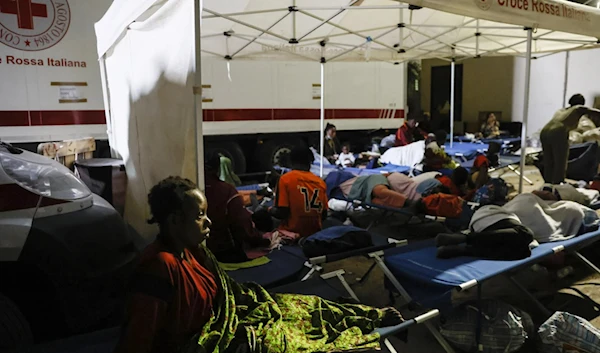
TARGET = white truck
(51,90)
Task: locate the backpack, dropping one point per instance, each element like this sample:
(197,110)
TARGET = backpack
(443,205)
(564,332)
(504,328)
(494,192)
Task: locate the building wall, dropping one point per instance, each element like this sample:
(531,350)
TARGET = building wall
(487,86)
(547,90)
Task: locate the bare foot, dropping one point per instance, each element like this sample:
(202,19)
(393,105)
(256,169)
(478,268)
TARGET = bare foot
(391,317)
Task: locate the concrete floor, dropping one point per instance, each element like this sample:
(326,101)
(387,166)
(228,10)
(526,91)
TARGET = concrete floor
(578,293)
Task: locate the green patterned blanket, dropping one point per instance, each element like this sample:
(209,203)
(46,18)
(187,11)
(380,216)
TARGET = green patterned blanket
(248,319)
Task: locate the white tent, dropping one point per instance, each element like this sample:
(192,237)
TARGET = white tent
(151,50)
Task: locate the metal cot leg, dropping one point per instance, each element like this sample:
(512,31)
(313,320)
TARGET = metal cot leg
(587,262)
(434,331)
(528,294)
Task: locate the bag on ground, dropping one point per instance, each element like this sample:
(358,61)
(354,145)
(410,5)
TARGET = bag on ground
(567,333)
(504,328)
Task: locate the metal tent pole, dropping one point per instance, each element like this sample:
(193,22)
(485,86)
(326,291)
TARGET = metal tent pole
(567,57)
(525,107)
(452,84)
(199,140)
(322,116)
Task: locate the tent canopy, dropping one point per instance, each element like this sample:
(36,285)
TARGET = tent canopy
(381,30)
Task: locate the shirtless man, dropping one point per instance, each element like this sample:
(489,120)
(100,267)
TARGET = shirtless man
(555,137)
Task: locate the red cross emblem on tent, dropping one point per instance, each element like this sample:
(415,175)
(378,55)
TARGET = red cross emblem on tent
(33,24)
(25,10)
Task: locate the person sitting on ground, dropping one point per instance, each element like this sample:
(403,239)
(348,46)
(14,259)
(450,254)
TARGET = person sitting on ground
(232,227)
(406,133)
(331,144)
(491,127)
(346,158)
(479,172)
(180,300)
(301,197)
(457,183)
(435,156)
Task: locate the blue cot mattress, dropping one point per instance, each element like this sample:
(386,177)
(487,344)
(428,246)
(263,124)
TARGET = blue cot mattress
(467,149)
(284,266)
(431,280)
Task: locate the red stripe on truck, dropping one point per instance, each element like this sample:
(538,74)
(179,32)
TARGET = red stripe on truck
(16,198)
(85,117)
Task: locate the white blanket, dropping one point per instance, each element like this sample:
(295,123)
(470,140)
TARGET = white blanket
(549,221)
(408,155)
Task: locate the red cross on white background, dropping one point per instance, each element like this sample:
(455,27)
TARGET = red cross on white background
(25,10)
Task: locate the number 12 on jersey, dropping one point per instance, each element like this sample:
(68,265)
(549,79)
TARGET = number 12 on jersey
(311,200)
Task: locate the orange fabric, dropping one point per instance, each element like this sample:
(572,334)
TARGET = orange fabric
(386,197)
(481,161)
(305,194)
(443,205)
(447,182)
(245,194)
(170,300)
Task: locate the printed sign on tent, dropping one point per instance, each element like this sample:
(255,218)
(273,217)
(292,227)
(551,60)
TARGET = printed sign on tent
(70,92)
(316,91)
(207,94)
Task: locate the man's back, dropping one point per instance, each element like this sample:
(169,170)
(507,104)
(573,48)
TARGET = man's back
(305,194)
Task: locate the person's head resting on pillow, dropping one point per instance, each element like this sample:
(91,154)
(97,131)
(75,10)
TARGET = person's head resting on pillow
(179,208)
(460,177)
(301,158)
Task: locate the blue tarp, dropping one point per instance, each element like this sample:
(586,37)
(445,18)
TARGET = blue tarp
(430,280)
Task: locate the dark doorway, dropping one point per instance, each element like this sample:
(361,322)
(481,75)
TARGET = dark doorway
(440,96)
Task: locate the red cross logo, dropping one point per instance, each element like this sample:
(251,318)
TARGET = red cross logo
(25,10)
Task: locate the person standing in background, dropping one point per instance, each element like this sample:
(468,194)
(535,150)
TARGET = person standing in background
(555,137)
(331,145)
(407,132)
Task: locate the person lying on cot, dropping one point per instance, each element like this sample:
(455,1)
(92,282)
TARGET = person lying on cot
(232,230)
(375,189)
(346,158)
(301,197)
(457,183)
(479,175)
(435,157)
(180,300)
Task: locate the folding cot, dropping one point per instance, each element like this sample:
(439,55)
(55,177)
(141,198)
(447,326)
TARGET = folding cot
(415,272)
(104,341)
(510,162)
(285,264)
(289,264)
(465,150)
(389,168)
